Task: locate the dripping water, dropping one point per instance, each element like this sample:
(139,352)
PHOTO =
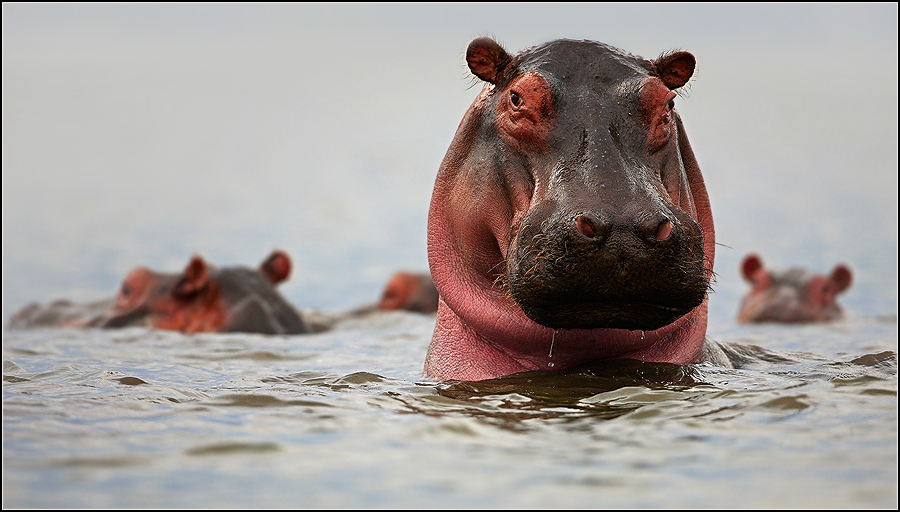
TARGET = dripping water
(552,340)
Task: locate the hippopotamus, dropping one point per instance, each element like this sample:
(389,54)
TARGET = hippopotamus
(202,298)
(569,221)
(409,291)
(795,295)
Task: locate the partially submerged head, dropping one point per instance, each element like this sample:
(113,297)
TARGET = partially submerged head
(794,295)
(201,298)
(409,291)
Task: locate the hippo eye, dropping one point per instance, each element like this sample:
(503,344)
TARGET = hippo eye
(125,291)
(672,104)
(515,99)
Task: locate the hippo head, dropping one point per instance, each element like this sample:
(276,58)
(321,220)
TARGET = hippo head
(203,298)
(569,209)
(791,296)
(409,291)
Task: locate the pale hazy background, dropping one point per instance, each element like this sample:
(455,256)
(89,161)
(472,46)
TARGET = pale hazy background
(139,134)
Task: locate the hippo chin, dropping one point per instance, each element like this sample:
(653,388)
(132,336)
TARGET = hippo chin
(791,296)
(202,298)
(569,220)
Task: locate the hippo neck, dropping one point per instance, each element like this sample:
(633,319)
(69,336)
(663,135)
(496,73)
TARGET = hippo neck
(461,349)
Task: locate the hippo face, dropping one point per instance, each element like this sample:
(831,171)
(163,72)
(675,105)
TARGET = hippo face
(570,195)
(791,296)
(588,136)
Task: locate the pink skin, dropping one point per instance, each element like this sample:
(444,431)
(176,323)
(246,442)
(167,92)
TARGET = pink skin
(792,296)
(481,333)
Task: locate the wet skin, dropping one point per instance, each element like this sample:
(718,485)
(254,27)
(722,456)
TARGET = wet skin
(569,220)
(795,295)
(202,298)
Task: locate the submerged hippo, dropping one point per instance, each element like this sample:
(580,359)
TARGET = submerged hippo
(404,291)
(409,291)
(569,220)
(202,298)
(791,296)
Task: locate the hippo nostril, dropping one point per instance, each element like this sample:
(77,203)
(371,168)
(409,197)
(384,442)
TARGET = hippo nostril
(585,226)
(656,230)
(664,230)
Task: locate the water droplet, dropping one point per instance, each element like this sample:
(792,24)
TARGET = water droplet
(552,340)
(642,334)
(550,364)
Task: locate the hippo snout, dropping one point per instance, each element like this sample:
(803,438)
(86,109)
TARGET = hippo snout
(597,270)
(597,229)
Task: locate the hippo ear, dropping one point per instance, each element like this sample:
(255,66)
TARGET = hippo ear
(751,265)
(675,69)
(840,278)
(194,279)
(277,267)
(487,58)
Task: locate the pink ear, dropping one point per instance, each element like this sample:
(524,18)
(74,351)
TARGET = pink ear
(194,279)
(840,278)
(486,58)
(675,69)
(751,265)
(277,267)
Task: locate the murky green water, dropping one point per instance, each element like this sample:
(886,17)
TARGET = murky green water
(141,134)
(343,419)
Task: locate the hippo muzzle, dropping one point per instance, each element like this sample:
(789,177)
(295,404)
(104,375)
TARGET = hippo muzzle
(588,270)
(606,248)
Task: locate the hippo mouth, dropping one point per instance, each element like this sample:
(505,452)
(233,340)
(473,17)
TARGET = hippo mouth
(565,297)
(618,281)
(604,314)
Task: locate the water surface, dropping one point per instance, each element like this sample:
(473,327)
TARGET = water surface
(344,419)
